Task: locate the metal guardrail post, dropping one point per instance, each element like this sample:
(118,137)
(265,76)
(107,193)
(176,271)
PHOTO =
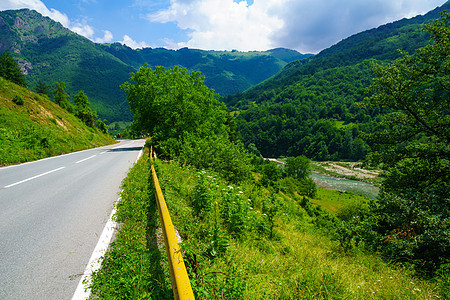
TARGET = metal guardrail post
(181,285)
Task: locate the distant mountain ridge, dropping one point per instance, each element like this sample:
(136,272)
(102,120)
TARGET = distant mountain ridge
(227,72)
(49,52)
(381,43)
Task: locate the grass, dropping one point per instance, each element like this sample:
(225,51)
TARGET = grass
(133,265)
(242,242)
(336,201)
(38,128)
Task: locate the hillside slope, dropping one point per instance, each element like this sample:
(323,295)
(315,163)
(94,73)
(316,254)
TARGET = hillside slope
(380,44)
(39,128)
(310,106)
(48,52)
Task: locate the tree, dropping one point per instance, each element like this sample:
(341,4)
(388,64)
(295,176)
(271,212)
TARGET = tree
(185,120)
(42,89)
(297,167)
(9,69)
(101,125)
(413,207)
(83,110)
(168,104)
(61,97)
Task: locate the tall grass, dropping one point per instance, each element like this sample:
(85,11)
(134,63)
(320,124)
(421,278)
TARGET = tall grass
(134,266)
(298,260)
(240,242)
(39,128)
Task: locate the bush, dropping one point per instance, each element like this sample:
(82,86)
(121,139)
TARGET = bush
(217,153)
(235,211)
(415,227)
(18,100)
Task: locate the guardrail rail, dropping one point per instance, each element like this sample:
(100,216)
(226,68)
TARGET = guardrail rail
(181,285)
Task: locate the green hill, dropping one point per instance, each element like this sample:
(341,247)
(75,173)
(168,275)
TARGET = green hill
(310,106)
(227,72)
(33,127)
(48,52)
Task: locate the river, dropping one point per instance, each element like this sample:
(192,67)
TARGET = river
(346,185)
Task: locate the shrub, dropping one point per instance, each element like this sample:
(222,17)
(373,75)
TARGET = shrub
(18,100)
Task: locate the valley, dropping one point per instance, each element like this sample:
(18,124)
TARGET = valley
(357,210)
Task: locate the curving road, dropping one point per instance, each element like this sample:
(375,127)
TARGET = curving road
(52,213)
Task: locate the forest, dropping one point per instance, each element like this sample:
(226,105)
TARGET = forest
(312,107)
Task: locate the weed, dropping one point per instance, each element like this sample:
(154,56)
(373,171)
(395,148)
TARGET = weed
(18,100)
(219,241)
(229,252)
(29,135)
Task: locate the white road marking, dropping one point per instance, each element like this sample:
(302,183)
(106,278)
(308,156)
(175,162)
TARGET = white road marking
(95,262)
(86,159)
(34,177)
(103,152)
(83,291)
(122,146)
(139,155)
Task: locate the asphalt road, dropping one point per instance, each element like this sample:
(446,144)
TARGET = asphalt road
(52,213)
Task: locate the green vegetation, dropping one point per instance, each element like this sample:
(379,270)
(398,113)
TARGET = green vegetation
(83,110)
(61,97)
(413,211)
(10,70)
(243,242)
(33,127)
(301,110)
(185,120)
(337,202)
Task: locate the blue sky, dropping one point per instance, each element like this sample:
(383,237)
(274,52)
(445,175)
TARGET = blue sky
(304,25)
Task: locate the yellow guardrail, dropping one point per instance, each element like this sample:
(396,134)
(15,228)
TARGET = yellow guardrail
(181,285)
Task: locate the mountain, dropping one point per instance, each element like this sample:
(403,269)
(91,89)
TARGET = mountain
(48,52)
(380,43)
(227,72)
(33,127)
(309,107)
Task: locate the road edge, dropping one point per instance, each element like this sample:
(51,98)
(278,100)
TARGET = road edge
(83,291)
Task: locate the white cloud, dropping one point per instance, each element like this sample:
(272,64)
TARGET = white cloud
(305,25)
(107,37)
(223,24)
(38,6)
(83,29)
(127,40)
(311,26)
